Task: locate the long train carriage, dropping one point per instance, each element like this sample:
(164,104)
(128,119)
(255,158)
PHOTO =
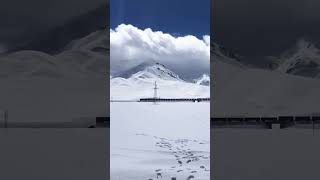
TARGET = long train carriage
(173,99)
(312,122)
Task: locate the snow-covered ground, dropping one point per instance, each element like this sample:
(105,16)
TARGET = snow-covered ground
(253,154)
(171,139)
(52,154)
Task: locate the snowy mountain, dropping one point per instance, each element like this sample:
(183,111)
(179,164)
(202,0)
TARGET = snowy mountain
(96,41)
(87,55)
(267,86)
(55,39)
(29,64)
(138,82)
(82,57)
(302,59)
(223,54)
(149,69)
(70,80)
(257,92)
(203,80)
(129,72)
(156,71)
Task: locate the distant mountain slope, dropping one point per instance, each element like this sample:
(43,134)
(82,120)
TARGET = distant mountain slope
(140,67)
(84,62)
(156,71)
(83,57)
(203,80)
(302,59)
(29,63)
(88,54)
(55,40)
(221,53)
(138,82)
(257,92)
(97,41)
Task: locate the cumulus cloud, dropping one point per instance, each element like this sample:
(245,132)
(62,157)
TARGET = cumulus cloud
(186,55)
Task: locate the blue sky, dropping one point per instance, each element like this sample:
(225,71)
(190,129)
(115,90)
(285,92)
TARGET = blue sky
(177,17)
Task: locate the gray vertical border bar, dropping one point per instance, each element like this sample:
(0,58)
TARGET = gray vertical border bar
(212,75)
(108,91)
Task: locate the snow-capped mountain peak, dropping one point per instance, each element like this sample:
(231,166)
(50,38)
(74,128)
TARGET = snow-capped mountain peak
(303,59)
(138,82)
(305,44)
(156,71)
(223,54)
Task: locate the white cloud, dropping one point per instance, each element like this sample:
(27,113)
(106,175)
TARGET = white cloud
(130,46)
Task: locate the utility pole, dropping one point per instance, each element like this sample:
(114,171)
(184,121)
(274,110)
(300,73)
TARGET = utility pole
(6,116)
(155,94)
